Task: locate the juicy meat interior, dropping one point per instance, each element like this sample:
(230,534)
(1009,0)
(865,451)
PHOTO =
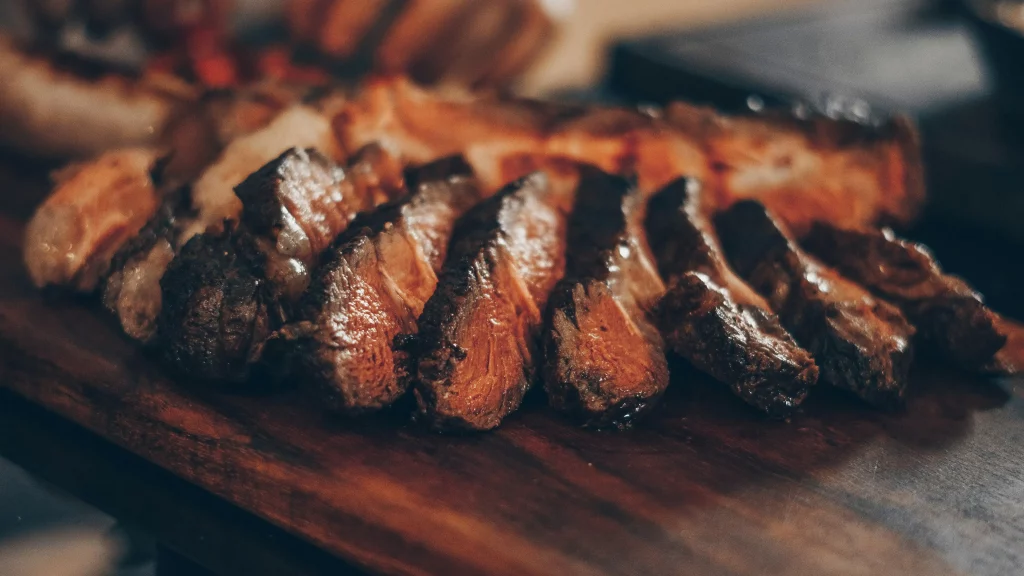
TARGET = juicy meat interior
(861,343)
(95,209)
(477,342)
(350,344)
(948,314)
(604,360)
(715,320)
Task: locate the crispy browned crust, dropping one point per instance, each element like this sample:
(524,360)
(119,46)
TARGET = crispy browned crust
(715,320)
(948,314)
(861,343)
(604,361)
(362,306)
(478,332)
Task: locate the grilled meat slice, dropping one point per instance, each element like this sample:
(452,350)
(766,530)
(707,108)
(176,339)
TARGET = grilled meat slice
(948,314)
(302,201)
(863,174)
(364,301)
(604,360)
(715,320)
(216,310)
(477,340)
(861,343)
(131,291)
(95,208)
(298,203)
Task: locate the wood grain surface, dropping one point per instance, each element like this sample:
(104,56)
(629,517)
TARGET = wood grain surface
(707,487)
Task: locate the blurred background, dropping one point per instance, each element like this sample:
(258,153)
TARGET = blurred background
(954,65)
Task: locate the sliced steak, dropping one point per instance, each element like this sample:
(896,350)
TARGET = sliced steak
(861,343)
(364,301)
(948,314)
(303,201)
(604,360)
(715,320)
(478,333)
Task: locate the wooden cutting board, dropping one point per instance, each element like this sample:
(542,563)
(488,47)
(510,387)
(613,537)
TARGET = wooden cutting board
(707,487)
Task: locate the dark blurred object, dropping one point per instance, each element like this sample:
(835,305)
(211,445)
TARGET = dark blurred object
(855,59)
(1000,27)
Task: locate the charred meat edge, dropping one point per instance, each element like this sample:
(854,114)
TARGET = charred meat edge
(712,318)
(949,315)
(350,343)
(477,343)
(604,360)
(223,296)
(861,343)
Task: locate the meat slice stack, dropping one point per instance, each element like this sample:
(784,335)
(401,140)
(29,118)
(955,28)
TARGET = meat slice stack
(604,360)
(949,315)
(861,343)
(477,342)
(712,318)
(350,344)
(228,289)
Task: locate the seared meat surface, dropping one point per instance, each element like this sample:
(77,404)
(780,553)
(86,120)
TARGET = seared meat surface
(216,310)
(362,307)
(712,318)
(861,343)
(302,200)
(948,314)
(604,360)
(477,341)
